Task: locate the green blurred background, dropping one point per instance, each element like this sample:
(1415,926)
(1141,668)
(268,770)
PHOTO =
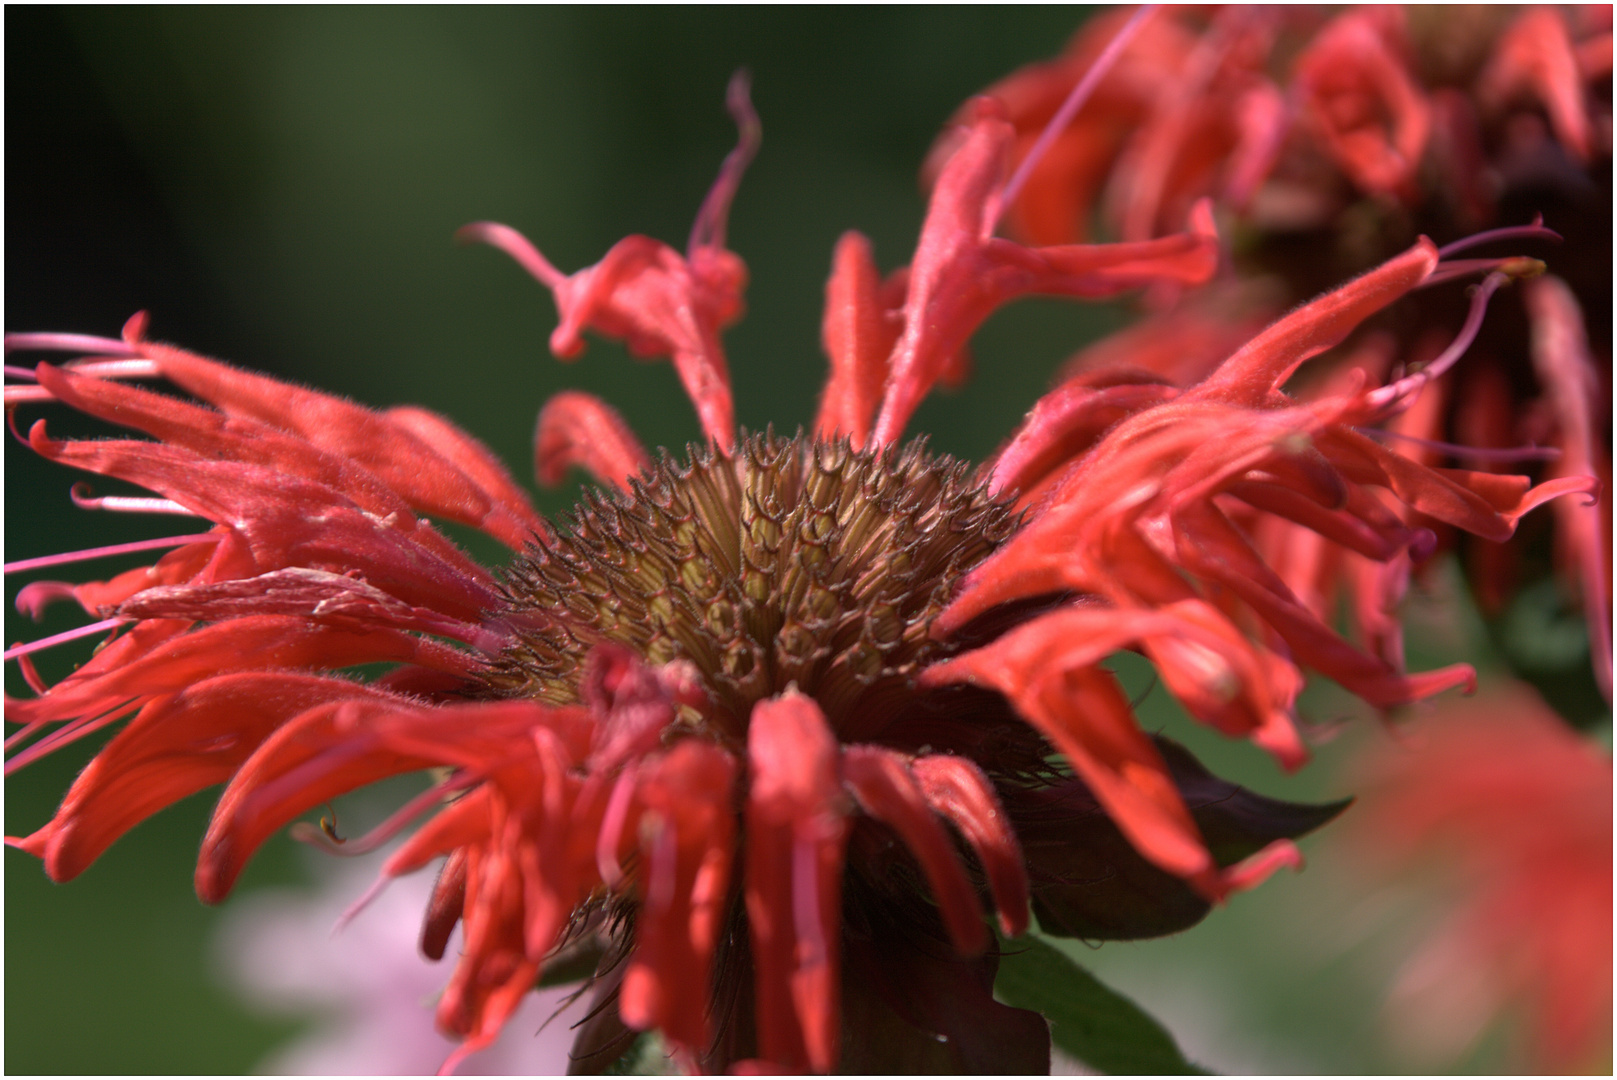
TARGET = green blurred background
(279,187)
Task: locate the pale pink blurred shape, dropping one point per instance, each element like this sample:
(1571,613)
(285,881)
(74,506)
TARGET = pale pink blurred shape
(1508,812)
(367,989)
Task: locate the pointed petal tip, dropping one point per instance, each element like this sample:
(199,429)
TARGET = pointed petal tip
(134,330)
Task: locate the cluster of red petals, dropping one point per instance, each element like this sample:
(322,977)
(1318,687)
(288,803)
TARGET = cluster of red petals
(1201,106)
(1512,813)
(1145,499)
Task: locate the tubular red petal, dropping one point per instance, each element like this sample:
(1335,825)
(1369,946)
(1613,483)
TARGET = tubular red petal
(956,226)
(1486,504)
(1269,359)
(289,521)
(858,336)
(687,797)
(459,825)
(445,907)
(961,273)
(708,230)
(956,788)
(796,833)
(1254,870)
(311,594)
(1565,367)
(643,292)
(212,434)
(1369,112)
(1211,546)
(1535,56)
(579,429)
(880,780)
(514,244)
(307,761)
(511,517)
(262,642)
(338,747)
(1064,424)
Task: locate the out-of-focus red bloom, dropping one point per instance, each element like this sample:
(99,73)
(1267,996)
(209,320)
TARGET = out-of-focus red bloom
(715,726)
(1329,141)
(1508,813)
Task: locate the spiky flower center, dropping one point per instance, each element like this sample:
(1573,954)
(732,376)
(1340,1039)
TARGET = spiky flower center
(795,561)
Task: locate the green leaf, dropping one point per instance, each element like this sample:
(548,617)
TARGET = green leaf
(648,1055)
(1089,1021)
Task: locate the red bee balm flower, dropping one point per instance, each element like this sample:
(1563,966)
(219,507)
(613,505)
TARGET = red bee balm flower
(768,727)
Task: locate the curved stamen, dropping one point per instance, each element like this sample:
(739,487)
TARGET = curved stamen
(711,220)
(84,343)
(112,549)
(80,494)
(1397,396)
(1478,453)
(1069,109)
(70,732)
(64,637)
(1514,266)
(1535,231)
(28,730)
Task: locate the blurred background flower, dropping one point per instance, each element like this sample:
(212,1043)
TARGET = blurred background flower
(364,990)
(1501,818)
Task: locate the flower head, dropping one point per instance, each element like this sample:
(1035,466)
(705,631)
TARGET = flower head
(770,726)
(1329,142)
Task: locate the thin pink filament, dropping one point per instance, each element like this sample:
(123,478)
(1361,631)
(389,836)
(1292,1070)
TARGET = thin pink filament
(1075,101)
(101,552)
